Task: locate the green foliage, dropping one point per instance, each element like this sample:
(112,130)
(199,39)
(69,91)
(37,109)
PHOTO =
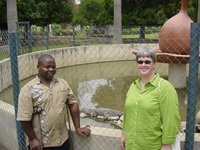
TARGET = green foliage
(44,12)
(192,9)
(106,14)
(80,20)
(58,31)
(90,10)
(67,32)
(94,12)
(134,12)
(3,19)
(55,27)
(154,12)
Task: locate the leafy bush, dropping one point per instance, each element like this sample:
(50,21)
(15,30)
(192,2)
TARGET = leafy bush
(67,32)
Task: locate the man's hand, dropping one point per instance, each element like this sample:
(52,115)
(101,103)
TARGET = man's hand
(85,131)
(166,147)
(35,144)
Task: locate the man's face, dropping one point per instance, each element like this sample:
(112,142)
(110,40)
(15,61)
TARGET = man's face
(47,69)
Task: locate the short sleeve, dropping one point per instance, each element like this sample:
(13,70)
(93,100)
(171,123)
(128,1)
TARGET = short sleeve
(70,95)
(25,105)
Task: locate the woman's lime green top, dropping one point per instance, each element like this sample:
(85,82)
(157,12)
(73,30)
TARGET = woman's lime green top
(151,116)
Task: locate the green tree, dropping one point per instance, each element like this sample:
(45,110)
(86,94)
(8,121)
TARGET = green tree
(28,11)
(193,10)
(40,12)
(94,12)
(154,12)
(44,12)
(3,17)
(90,10)
(106,14)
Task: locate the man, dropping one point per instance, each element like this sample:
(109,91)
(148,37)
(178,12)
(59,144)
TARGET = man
(41,109)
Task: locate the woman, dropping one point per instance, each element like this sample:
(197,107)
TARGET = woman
(151,116)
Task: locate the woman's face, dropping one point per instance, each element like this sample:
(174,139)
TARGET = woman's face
(145,66)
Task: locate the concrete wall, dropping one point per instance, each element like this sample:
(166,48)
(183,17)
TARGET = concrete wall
(8,137)
(101,138)
(4,49)
(65,57)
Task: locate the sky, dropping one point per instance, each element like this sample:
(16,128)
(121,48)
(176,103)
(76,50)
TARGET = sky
(77,1)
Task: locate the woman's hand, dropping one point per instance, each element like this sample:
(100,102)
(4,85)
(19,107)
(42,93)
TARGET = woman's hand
(85,131)
(122,141)
(166,147)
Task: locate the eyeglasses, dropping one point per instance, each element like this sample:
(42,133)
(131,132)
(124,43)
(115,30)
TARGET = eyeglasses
(144,61)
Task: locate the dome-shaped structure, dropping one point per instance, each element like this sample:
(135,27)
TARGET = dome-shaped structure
(174,36)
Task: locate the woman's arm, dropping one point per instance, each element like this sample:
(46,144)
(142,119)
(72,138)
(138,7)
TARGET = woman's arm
(122,141)
(170,117)
(166,147)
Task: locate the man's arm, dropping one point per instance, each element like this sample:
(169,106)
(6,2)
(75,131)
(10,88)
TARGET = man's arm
(74,111)
(35,143)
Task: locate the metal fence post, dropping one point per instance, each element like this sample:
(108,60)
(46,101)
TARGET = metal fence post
(73,36)
(15,84)
(192,86)
(47,37)
(29,39)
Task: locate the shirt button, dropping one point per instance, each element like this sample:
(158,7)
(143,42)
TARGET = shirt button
(58,141)
(42,121)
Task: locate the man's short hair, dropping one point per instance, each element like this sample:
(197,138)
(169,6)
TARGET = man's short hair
(44,57)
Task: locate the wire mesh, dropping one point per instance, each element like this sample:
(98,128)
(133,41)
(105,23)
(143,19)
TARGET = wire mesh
(101,81)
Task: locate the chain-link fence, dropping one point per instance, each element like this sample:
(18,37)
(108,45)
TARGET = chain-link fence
(32,40)
(101,73)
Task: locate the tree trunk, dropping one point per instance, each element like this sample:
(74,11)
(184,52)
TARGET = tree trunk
(12,18)
(117,35)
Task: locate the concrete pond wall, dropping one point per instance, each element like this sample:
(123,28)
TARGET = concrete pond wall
(64,57)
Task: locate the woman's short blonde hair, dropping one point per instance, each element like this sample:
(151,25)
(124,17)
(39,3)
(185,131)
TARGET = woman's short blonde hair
(146,52)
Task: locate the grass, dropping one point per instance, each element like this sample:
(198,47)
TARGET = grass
(147,36)
(3,56)
(34,49)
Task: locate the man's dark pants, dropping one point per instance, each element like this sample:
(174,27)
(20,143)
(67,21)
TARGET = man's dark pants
(65,146)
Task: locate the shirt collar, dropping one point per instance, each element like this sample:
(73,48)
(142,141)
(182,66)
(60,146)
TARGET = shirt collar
(38,81)
(153,82)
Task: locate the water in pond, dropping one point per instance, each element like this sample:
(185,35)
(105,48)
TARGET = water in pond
(102,85)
